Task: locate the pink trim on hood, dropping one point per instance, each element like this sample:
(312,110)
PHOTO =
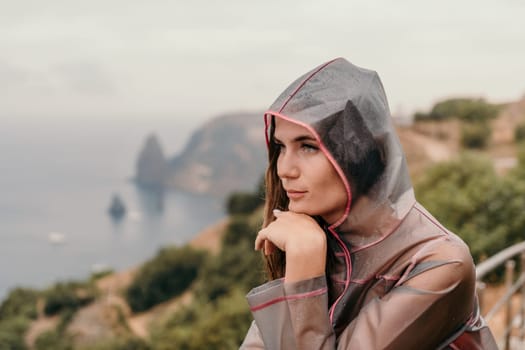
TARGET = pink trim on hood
(321,67)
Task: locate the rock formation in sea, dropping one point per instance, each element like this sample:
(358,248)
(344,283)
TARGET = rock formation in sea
(151,166)
(116,208)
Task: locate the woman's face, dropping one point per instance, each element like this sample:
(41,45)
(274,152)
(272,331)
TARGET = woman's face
(311,182)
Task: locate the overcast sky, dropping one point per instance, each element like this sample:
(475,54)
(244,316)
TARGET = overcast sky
(196,59)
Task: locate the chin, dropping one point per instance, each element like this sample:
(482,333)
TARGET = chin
(301,209)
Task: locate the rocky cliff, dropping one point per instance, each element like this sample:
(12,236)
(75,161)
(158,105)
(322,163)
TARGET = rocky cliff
(226,154)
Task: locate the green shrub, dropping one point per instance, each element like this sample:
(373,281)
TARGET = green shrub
(12,332)
(243,203)
(465,109)
(519,133)
(478,110)
(206,326)
(19,302)
(167,275)
(101,274)
(475,134)
(239,229)
(119,343)
(518,172)
(53,340)
(235,267)
(246,202)
(466,195)
(68,296)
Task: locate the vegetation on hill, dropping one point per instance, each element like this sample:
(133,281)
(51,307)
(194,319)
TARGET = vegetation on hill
(469,198)
(474,114)
(219,316)
(16,313)
(465,109)
(519,133)
(165,276)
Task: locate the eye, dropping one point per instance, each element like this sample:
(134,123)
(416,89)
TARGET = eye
(309,148)
(279,146)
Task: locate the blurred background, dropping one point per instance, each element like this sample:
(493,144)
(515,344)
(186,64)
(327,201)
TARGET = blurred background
(132,149)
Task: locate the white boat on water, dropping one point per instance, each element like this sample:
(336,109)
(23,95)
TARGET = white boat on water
(56,238)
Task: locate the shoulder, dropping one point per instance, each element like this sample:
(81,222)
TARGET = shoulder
(442,263)
(440,259)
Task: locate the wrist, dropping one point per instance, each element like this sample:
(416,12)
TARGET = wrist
(304,261)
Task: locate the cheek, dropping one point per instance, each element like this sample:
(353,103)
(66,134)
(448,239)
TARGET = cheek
(342,197)
(330,185)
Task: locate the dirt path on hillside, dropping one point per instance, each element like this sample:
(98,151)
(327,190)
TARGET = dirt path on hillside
(40,325)
(139,323)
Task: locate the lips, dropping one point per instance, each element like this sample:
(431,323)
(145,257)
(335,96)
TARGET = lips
(294,194)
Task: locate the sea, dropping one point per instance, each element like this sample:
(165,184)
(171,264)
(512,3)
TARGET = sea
(57,179)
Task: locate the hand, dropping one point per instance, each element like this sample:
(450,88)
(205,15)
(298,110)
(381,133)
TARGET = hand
(301,238)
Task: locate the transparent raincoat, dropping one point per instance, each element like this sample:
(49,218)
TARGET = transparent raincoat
(400,280)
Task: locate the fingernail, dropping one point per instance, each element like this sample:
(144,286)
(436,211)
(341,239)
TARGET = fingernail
(277,211)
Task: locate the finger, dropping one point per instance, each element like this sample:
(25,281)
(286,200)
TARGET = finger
(269,247)
(259,240)
(277,213)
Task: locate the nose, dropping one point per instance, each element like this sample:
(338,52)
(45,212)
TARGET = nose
(287,167)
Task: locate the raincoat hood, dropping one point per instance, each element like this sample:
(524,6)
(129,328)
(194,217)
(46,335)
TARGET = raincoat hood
(345,108)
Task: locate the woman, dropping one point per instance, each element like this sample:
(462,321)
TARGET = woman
(354,261)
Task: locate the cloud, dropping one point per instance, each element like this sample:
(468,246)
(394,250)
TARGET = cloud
(88,78)
(11,75)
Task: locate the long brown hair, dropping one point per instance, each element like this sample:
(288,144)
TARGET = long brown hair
(275,198)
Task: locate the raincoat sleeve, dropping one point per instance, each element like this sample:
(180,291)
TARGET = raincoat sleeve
(290,316)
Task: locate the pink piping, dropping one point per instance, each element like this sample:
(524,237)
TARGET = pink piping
(432,220)
(348,262)
(454,347)
(266,131)
(289,297)
(304,82)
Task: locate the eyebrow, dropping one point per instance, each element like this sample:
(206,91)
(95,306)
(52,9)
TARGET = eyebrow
(299,138)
